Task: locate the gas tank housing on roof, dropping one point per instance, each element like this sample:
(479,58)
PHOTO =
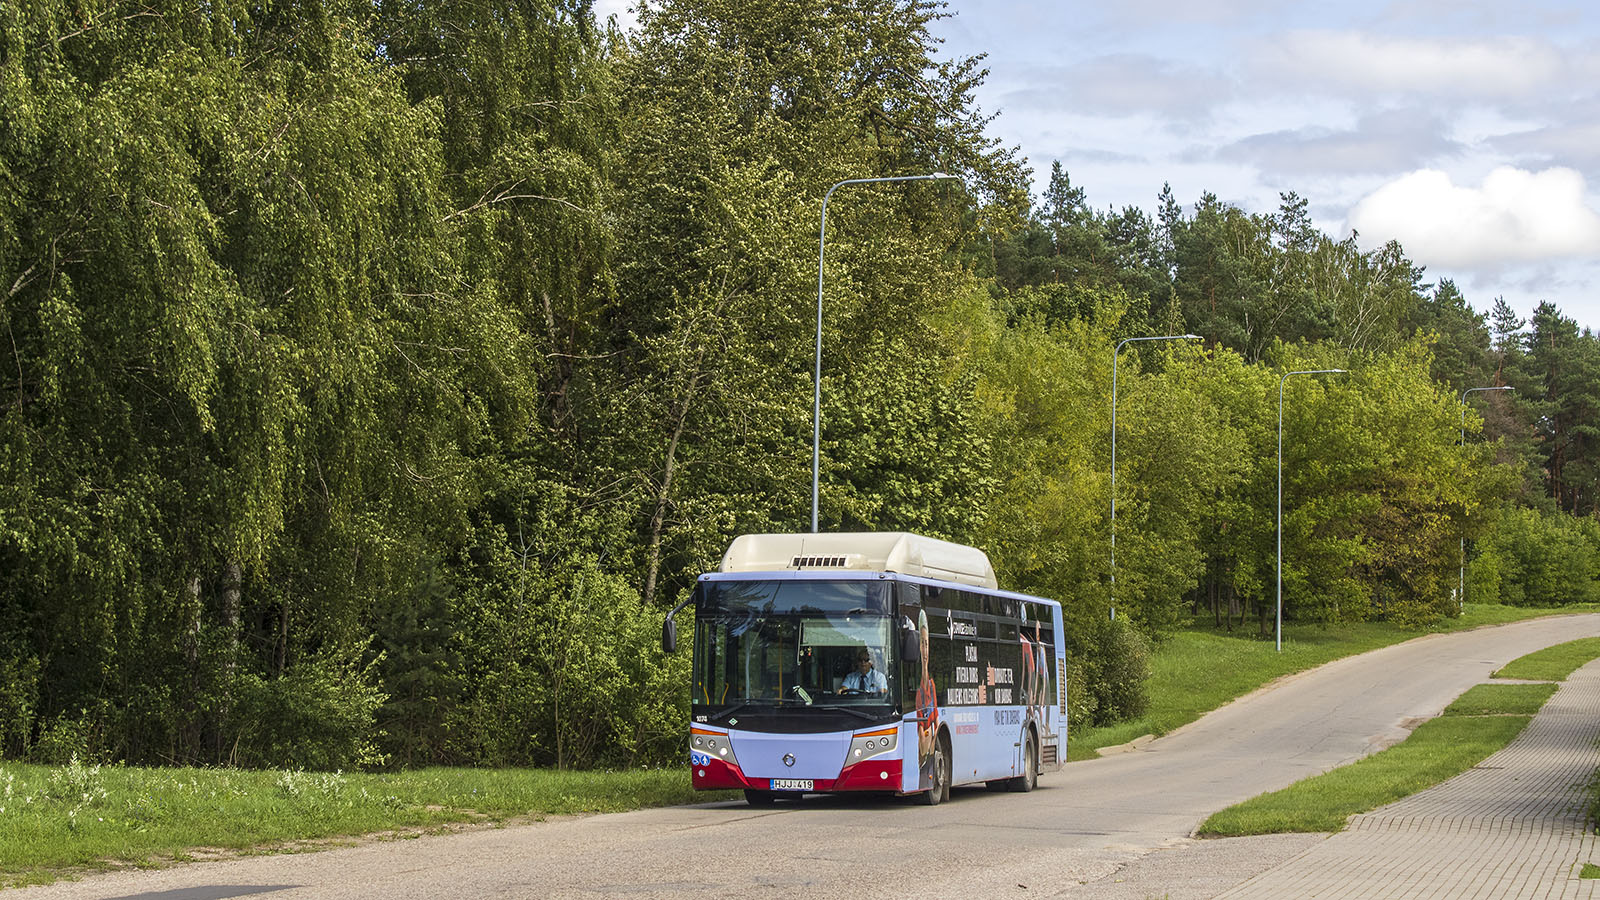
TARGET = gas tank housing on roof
(874,551)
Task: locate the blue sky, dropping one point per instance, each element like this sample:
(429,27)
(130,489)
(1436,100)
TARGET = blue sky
(1469,131)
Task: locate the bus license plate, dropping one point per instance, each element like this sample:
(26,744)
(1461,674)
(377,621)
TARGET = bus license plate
(791,784)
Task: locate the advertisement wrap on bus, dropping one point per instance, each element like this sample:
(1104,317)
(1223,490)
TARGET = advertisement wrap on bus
(882,662)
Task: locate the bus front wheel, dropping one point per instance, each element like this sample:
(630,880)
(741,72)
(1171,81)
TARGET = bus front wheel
(940,790)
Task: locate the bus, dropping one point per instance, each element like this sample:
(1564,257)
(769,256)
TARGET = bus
(964,683)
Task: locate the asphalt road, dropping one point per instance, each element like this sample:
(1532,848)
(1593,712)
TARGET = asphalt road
(1082,826)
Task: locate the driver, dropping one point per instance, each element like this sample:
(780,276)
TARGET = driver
(865,679)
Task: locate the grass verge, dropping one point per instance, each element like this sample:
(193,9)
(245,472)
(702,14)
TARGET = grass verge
(1552,663)
(1482,721)
(1501,700)
(1201,668)
(57,820)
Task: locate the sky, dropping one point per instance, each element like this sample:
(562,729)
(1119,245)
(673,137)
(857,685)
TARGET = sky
(1469,131)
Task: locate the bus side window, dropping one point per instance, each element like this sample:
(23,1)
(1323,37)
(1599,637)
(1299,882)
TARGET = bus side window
(909,604)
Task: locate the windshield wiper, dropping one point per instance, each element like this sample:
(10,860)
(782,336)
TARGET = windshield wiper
(855,712)
(742,704)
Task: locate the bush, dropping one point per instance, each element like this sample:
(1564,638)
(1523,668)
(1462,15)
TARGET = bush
(572,677)
(419,666)
(1549,559)
(320,716)
(1081,701)
(1121,673)
(1483,577)
(1108,663)
(67,739)
(19,699)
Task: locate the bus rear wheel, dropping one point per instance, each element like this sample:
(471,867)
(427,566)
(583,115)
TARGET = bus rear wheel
(1030,768)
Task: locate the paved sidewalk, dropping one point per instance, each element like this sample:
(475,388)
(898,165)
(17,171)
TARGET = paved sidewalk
(1511,827)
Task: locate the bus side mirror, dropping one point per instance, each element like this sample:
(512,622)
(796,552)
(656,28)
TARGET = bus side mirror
(669,628)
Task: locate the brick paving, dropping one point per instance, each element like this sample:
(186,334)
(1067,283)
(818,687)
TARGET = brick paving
(1514,826)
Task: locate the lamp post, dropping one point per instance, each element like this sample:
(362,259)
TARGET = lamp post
(1461,587)
(1114,352)
(1281,380)
(822,254)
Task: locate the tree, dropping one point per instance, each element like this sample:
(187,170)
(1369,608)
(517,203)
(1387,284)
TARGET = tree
(735,136)
(1568,365)
(1223,260)
(240,332)
(1461,345)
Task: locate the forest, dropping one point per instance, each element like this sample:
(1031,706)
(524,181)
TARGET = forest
(375,375)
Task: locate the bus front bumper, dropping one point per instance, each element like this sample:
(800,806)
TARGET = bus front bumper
(713,774)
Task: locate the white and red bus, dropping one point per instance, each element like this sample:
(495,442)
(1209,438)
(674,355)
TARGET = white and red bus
(870,662)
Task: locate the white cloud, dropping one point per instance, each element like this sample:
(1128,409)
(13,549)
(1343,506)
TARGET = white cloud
(1575,142)
(1480,16)
(1514,216)
(1382,142)
(1123,85)
(1143,13)
(1363,64)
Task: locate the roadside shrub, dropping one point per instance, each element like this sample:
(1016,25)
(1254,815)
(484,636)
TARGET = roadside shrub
(66,739)
(571,676)
(1081,701)
(1108,663)
(19,700)
(419,667)
(1120,673)
(1549,559)
(320,716)
(1483,577)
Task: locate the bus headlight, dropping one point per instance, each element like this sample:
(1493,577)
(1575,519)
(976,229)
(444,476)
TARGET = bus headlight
(873,743)
(709,745)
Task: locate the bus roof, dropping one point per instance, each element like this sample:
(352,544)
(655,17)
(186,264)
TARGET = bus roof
(884,551)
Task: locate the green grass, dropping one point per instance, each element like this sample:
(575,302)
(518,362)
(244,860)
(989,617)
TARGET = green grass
(1552,663)
(1201,668)
(1501,699)
(1590,870)
(1437,750)
(73,818)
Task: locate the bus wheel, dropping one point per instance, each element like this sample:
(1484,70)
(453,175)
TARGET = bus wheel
(759,798)
(940,790)
(949,764)
(1030,768)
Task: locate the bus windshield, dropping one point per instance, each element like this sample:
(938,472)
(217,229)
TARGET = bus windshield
(794,643)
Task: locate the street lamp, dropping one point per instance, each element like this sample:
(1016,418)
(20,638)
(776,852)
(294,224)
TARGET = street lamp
(822,253)
(1114,351)
(1461,589)
(1281,380)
